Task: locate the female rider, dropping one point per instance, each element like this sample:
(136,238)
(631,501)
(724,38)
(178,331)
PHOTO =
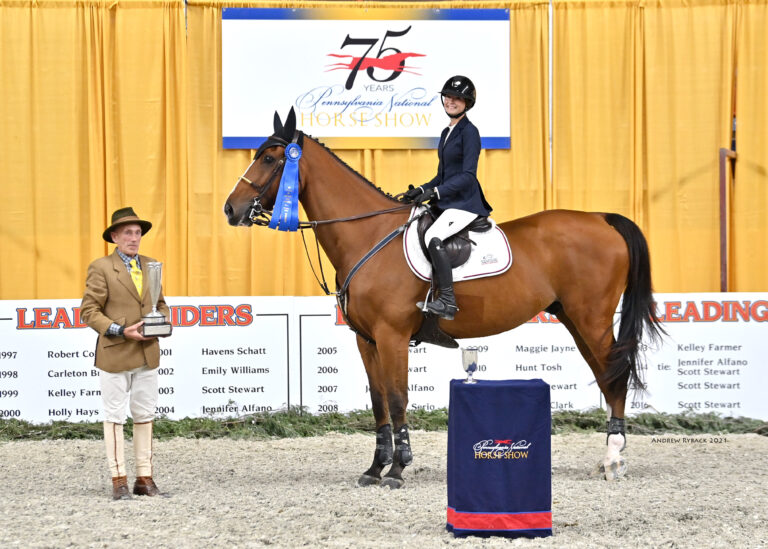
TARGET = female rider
(455,191)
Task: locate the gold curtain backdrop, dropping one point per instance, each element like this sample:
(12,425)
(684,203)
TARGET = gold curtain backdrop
(107,103)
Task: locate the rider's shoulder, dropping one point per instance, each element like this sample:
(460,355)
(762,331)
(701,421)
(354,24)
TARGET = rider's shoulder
(470,130)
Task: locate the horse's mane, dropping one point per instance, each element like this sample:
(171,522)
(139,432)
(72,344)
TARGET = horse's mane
(347,166)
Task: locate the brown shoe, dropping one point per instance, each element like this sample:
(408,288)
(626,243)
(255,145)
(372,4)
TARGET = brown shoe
(145,486)
(120,488)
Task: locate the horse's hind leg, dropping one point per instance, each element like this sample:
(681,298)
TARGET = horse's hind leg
(593,335)
(383,453)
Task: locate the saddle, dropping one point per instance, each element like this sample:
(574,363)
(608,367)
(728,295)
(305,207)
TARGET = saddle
(492,256)
(458,246)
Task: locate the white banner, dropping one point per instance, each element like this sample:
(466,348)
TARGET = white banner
(361,78)
(231,356)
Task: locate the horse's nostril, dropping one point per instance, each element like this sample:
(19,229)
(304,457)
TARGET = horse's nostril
(228,209)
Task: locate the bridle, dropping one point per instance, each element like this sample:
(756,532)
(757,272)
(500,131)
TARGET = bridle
(259,215)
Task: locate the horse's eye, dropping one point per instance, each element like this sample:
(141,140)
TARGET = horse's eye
(268,159)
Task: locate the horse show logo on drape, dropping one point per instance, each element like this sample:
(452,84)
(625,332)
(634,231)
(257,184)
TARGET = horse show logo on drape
(362,78)
(491,449)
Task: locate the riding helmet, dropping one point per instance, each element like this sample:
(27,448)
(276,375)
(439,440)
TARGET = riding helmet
(460,86)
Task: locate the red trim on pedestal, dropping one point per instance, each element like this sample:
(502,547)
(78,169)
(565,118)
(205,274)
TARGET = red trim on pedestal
(499,521)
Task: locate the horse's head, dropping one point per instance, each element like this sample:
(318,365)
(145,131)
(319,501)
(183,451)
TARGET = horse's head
(255,191)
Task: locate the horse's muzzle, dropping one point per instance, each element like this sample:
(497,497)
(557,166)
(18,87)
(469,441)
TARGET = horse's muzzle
(234,219)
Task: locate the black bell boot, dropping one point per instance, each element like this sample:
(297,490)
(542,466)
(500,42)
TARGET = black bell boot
(445,304)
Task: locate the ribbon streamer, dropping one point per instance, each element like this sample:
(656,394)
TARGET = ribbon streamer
(285,216)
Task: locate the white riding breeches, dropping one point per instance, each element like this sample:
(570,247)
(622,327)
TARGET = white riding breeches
(448,224)
(140,384)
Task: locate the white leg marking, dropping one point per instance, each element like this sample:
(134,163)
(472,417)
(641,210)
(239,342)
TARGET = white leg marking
(614,464)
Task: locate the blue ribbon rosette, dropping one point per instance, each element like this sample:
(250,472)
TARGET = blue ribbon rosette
(285,215)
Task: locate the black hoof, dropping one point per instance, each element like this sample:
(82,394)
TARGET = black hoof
(392,483)
(367,480)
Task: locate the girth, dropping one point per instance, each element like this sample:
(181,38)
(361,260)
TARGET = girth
(458,246)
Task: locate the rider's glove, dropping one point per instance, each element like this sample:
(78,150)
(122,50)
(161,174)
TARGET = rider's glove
(426,196)
(412,193)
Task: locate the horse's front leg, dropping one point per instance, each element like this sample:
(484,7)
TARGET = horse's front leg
(402,458)
(383,454)
(393,354)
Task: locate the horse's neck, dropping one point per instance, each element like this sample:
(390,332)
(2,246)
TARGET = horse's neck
(333,191)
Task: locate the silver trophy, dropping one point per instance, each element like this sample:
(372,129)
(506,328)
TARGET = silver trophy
(469,361)
(155,324)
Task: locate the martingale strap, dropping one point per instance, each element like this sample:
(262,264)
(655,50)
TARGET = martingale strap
(341,293)
(373,251)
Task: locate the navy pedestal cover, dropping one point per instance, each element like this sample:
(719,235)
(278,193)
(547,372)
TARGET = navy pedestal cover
(499,459)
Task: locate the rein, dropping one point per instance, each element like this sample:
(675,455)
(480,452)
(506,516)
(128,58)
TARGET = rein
(258,215)
(312,224)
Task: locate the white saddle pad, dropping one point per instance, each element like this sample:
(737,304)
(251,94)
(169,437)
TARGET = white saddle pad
(491,256)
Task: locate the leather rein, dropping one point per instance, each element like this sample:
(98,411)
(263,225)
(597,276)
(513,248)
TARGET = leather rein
(261,216)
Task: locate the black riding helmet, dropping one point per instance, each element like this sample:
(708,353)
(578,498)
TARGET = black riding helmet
(460,86)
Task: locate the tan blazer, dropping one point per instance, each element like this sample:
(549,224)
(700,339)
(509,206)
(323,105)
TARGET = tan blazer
(111,296)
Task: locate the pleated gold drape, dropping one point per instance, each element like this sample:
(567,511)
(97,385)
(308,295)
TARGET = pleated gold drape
(92,118)
(688,70)
(642,103)
(112,103)
(749,207)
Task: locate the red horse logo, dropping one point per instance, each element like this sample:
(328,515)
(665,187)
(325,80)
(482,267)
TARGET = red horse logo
(394,62)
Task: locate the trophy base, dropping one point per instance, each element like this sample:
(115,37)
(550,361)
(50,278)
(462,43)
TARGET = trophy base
(156,330)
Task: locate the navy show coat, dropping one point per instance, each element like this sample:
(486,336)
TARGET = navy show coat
(456,179)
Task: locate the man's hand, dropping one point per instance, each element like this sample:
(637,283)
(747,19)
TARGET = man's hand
(132,332)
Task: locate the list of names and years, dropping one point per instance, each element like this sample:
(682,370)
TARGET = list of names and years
(234,356)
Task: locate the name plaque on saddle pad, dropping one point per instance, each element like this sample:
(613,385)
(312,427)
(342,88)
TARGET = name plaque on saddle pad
(499,459)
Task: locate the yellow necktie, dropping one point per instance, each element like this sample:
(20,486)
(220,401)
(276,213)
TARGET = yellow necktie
(136,275)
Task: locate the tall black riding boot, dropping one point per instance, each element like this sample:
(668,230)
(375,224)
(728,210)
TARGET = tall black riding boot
(445,304)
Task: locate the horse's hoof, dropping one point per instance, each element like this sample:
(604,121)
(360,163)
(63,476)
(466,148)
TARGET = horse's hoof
(393,483)
(367,480)
(615,470)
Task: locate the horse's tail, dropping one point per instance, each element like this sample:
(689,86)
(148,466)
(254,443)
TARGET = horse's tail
(638,311)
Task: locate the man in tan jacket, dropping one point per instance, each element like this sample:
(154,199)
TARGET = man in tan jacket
(114,302)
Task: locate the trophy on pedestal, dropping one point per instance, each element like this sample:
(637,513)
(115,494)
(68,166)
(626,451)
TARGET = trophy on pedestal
(155,324)
(469,361)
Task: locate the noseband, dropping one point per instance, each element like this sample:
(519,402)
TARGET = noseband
(258,214)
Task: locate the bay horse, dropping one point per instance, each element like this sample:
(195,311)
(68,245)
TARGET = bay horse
(575,265)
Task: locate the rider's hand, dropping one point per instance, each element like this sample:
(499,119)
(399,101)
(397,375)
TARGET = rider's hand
(412,193)
(426,196)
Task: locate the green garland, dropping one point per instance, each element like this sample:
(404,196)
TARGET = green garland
(296,423)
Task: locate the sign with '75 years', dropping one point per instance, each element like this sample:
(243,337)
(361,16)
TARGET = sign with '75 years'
(362,78)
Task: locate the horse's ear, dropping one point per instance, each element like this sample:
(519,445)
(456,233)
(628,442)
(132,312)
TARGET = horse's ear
(278,125)
(290,125)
